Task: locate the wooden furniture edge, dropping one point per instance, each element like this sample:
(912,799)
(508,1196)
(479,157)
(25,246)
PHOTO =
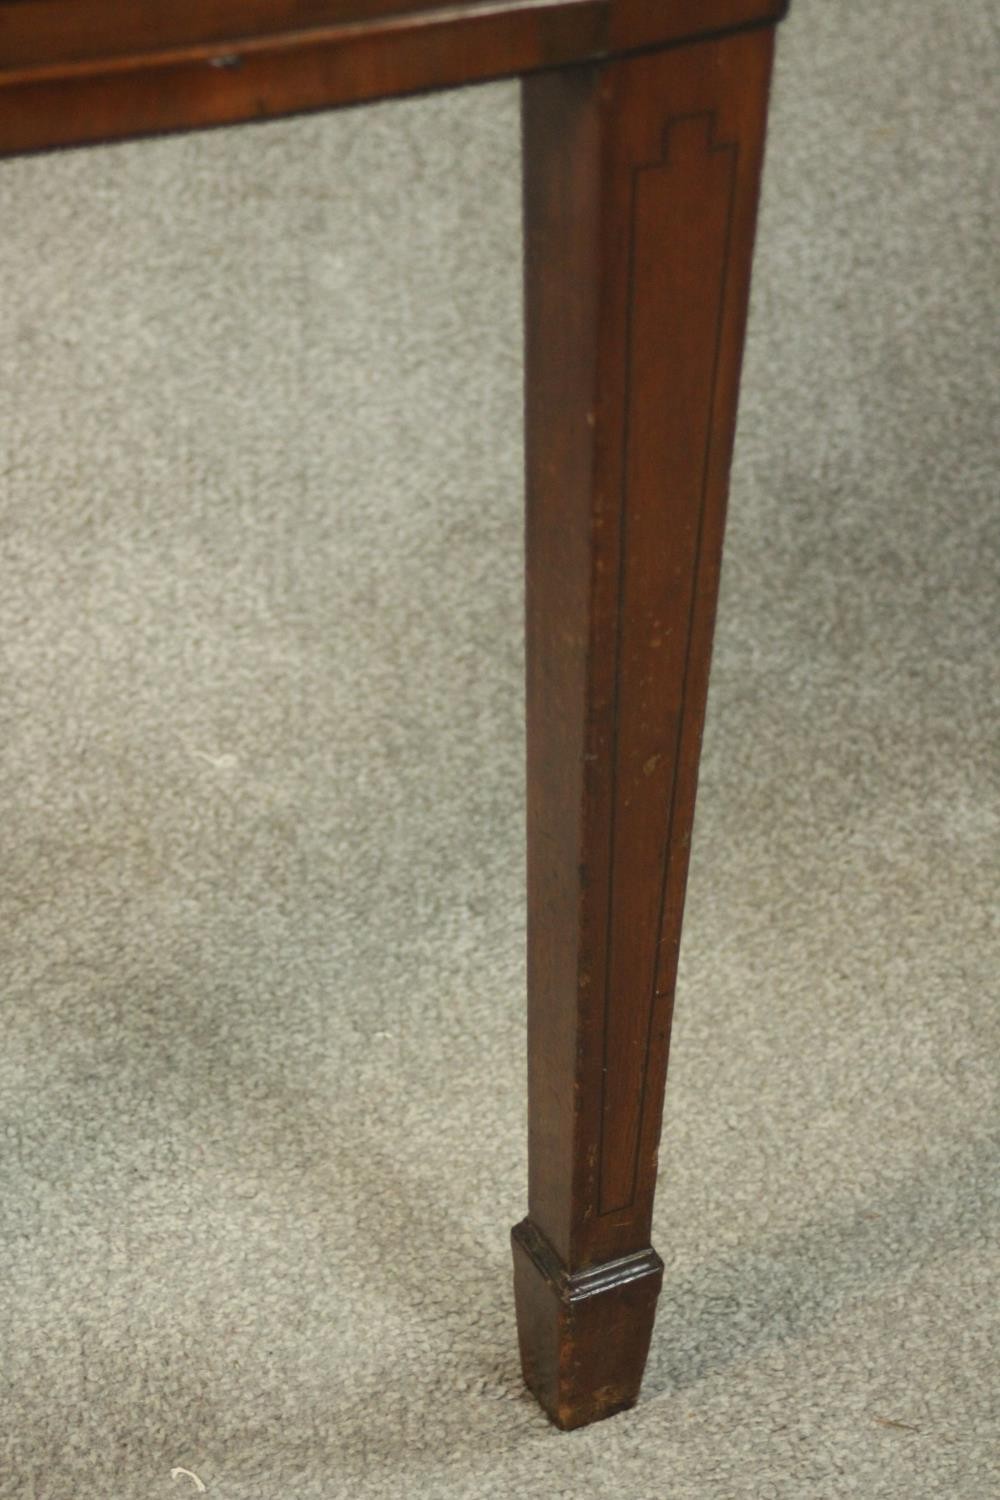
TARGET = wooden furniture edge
(200,79)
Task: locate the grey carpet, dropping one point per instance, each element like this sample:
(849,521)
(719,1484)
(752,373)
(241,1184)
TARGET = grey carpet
(261,1070)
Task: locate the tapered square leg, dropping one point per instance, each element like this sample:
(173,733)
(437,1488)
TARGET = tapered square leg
(641,181)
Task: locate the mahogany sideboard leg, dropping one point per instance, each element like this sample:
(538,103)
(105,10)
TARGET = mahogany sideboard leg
(641,179)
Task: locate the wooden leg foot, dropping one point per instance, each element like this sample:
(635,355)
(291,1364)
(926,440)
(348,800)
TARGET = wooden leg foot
(584,1337)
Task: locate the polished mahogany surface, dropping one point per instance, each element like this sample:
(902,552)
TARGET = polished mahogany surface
(79,71)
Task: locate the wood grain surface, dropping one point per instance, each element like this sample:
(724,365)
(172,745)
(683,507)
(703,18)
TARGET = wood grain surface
(74,72)
(641,181)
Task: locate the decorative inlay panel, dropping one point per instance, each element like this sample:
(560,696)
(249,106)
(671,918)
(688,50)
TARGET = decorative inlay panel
(681,207)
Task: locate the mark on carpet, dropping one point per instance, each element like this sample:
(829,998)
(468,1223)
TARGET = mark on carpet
(191,1475)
